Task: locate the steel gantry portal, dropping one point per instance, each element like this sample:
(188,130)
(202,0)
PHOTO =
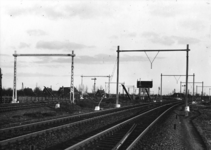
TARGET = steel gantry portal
(161,81)
(202,88)
(193,85)
(37,55)
(157,50)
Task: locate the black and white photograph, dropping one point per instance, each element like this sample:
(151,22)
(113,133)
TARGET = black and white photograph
(105,75)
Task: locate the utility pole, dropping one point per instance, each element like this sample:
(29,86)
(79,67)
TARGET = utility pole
(72,80)
(14,97)
(94,83)
(117,80)
(187,109)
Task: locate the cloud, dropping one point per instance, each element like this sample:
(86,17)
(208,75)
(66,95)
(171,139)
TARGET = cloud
(30,74)
(168,40)
(38,10)
(5,55)
(104,58)
(114,37)
(23,45)
(82,59)
(185,40)
(193,24)
(86,11)
(55,45)
(36,32)
(156,38)
(130,35)
(43,60)
(54,11)
(126,35)
(167,10)
(100,58)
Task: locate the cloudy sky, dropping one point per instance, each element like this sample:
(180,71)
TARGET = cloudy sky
(94,29)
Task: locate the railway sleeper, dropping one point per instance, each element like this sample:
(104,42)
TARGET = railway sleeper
(98,123)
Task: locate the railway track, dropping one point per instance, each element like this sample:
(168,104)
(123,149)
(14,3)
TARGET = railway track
(122,136)
(14,107)
(16,131)
(49,133)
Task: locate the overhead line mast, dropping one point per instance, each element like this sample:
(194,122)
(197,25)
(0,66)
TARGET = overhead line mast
(161,83)
(155,50)
(15,72)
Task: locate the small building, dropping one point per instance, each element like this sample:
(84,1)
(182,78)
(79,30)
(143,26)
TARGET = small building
(65,91)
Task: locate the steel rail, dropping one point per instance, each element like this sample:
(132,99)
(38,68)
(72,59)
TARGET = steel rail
(66,117)
(145,131)
(26,106)
(34,134)
(101,134)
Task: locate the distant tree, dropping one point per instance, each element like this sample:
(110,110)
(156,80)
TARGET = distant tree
(28,92)
(38,91)
(21,92)
(197,94)
(7,92)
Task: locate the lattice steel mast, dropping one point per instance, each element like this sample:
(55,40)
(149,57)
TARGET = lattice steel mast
(15,72)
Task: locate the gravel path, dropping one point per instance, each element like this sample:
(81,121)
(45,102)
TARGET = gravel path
(173,133)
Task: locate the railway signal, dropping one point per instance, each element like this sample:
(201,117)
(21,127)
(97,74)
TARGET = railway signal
(109,79)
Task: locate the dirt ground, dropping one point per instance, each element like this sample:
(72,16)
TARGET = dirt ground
(194,129)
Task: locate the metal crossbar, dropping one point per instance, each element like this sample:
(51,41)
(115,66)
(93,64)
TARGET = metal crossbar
(154,50)
(15,70)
